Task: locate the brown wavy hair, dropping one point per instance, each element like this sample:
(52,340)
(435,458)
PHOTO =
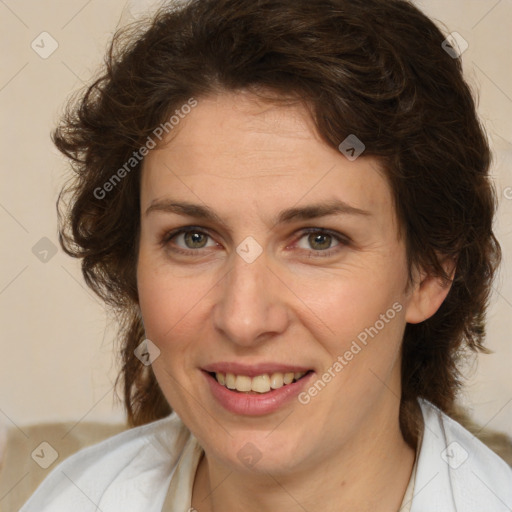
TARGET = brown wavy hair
(373,68)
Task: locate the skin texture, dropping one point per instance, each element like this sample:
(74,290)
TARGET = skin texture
(296,304)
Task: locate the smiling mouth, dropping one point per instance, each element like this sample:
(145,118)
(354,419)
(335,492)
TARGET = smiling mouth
(260,383)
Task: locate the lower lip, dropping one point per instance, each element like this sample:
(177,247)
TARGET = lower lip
(256,404)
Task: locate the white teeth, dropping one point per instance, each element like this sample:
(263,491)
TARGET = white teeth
(276,381)
(230,381)
(259,384)
(288,377)
(243,383)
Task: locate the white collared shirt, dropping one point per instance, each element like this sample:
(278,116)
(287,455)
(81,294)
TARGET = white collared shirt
(141,468)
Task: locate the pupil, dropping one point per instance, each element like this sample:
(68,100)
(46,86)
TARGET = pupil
(196,240)
(320,241)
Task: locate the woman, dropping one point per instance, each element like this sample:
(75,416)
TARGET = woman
(288,203)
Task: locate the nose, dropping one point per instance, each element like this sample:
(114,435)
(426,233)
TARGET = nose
(251,307)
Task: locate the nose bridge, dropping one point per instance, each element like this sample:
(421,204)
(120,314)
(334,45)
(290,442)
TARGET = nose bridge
(250,302)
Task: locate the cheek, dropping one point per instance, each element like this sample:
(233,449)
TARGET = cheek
(167,310)
(164,308)
(173,306)
(162,298)
(346,305)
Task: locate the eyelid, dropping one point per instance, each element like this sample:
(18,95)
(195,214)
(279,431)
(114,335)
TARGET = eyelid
(168,235)
(342,239)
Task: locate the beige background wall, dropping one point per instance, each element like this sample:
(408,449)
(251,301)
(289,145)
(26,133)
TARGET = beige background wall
(56,360)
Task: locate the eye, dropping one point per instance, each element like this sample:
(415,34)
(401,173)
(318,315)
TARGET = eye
(187,240)
(321,241)
(318,241)
(193,239)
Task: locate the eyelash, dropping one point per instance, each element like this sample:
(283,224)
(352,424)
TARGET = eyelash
(342,240)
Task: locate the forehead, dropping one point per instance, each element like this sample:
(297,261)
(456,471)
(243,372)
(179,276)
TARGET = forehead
(234,150)
(240,126)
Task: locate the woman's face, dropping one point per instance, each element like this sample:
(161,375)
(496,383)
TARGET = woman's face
(265,254)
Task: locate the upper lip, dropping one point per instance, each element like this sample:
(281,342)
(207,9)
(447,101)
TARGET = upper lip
(254,369)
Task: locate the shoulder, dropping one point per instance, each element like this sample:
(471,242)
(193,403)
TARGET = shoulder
(126,471)
(456,470)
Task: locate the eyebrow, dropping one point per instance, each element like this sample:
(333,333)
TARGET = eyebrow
(312,211)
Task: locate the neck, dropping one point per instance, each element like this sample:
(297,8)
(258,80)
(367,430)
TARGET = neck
(368,473)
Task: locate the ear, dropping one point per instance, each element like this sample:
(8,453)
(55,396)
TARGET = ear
(428,292)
